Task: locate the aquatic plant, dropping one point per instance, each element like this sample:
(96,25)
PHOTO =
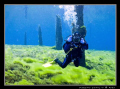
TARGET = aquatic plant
(82,30)
(23,82)
(28,70)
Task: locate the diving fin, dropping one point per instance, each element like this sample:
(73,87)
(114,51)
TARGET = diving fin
(48,64)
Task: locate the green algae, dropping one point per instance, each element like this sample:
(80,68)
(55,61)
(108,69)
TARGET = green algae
(23,82)
(23,66)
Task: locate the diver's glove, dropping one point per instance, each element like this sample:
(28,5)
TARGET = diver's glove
(82,41)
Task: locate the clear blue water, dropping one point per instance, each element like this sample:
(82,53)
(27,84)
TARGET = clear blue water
(100,22)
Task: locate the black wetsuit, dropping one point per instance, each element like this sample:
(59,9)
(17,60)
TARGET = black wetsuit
(76,54)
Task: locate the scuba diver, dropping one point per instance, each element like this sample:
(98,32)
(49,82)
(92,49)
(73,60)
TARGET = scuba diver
(73,47)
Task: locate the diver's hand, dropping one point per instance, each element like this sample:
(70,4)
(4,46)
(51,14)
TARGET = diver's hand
(82,41)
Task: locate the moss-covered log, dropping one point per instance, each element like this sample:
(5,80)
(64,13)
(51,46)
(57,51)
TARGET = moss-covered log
(39,35)
(59,38)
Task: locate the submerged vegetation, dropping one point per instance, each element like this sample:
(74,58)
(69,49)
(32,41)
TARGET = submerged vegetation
(23,66)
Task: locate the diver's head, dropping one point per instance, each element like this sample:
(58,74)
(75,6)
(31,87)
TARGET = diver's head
(76,37)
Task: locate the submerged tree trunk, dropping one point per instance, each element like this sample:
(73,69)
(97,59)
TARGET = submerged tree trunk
(73,27)
(79,11)
(25,39)
(59,38)
(39,36)
(79,23)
